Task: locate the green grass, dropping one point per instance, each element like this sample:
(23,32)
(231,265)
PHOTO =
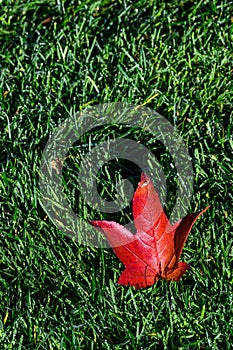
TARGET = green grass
(55,293)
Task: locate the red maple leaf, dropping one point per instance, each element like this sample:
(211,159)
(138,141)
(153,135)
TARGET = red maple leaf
(154,251)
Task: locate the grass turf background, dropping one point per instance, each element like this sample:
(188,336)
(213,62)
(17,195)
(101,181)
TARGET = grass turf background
(55,294)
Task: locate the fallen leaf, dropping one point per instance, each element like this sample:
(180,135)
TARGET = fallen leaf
(156,248)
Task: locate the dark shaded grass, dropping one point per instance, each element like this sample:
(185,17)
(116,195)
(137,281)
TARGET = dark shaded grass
(55,293)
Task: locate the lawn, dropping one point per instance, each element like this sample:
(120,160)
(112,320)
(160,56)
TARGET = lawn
(58,58)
